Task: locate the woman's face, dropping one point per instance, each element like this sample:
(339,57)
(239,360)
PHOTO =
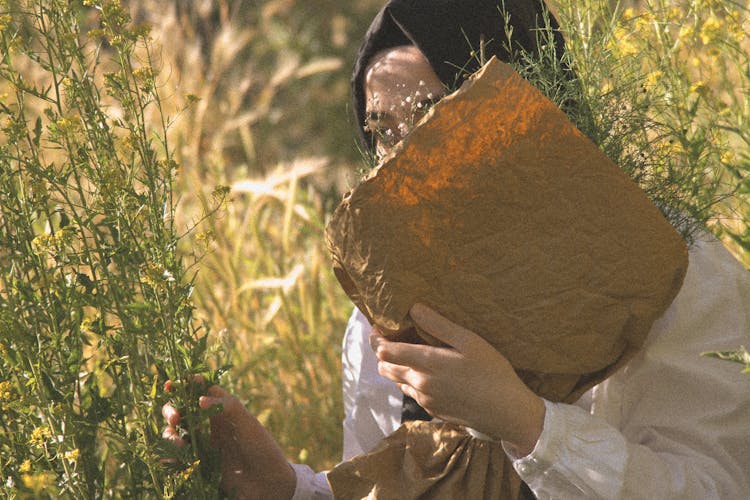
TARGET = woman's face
(400,85)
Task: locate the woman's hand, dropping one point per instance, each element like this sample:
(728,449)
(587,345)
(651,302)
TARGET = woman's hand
(252,464)
(468,382)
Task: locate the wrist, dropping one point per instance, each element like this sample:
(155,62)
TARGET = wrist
(532,424)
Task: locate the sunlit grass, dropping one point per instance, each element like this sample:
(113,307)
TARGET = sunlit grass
(267,287)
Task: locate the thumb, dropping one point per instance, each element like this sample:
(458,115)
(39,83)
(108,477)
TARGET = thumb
(224,405)
(215,395)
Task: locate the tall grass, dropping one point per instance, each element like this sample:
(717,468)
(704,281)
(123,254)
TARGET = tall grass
(271,122)
(99,303)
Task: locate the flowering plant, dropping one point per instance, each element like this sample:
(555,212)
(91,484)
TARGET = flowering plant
(95,300)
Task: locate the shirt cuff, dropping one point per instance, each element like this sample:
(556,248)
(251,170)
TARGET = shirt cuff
(310,486)
(576,453)
(545,448)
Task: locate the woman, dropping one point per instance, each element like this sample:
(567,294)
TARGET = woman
(669,425)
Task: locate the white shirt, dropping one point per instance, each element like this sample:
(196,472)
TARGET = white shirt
(670,424)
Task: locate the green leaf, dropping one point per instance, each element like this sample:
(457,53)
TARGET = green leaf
(152,393)
(740,355)
(37,131)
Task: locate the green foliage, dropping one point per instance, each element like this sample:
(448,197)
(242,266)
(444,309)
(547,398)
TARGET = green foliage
(277,71)
(666,86)
(95,303)
(738,356)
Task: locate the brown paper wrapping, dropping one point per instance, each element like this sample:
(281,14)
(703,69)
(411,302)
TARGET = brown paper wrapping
(439,461)
(499,214)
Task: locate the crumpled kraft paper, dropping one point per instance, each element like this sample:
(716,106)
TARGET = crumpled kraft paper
(410,464)
(499,214)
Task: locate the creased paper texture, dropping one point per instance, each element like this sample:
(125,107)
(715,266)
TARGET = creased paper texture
(410,464)
(499,214)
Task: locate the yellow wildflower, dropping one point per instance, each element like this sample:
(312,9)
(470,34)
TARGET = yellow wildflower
(64,236)
(145,279)
(14,44)
(189,470)
(686,33)
(25,466)
(711,29)
(38,482)
(670,147)
(628,14)
(145,78)
(728,157)
(5,21)
(72,456)
(644,21)
(96,33)
(676,14)
(86,326)
(67,125)
(739,31)
(40,435)
(205,238)
(622,43)
(5,390)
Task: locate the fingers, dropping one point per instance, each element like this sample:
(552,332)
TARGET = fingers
(445,330)
(170,434)
(170,414)
(410,391)
(397,373)
(421,357)
(217,392)
(169,385)
(206,402)
(215,395)
(407,380)
(415,384)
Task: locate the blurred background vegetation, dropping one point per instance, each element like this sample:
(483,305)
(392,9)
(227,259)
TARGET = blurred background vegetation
(273,121)
(258,91)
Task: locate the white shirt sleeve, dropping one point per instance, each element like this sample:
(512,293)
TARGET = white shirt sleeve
(372,403)
(372,407)
(671,424)
(311,486)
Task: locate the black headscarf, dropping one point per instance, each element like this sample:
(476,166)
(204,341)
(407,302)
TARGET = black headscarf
(446,31)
